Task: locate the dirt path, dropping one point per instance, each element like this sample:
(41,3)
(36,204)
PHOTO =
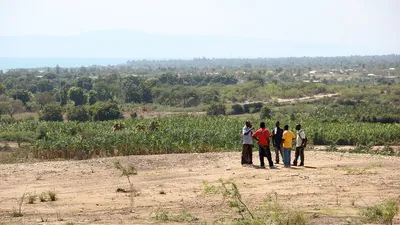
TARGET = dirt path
(339,184)
(307,98)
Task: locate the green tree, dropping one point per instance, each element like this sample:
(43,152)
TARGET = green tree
(20,94)
(104,91)
(78,113)
(3,89)
(105,111)
(85,83)
(51,112)
(92,97)
(44,98)
(216,109)
(77,95)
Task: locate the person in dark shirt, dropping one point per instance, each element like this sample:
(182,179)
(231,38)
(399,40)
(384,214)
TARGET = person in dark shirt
(277,133)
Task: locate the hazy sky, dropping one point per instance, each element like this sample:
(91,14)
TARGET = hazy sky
(373,23)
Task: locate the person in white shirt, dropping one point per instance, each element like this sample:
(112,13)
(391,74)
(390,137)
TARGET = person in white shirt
(301,142)
(247,136)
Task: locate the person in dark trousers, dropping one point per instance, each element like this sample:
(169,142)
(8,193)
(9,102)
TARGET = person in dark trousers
(262,137)
(247,137)
(277,133)
(301,142)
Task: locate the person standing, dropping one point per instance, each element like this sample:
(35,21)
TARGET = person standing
(287,139)
(277,133)
(301,142)
(262,136)
(247,136)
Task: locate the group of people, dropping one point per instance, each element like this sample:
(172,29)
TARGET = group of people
(282,140)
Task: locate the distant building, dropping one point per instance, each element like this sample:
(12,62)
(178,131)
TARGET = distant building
(391,69)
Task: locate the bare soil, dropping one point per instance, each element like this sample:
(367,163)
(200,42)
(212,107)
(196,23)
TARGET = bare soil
(86,190)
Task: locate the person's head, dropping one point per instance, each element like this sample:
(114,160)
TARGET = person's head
(298,127)
(277,124)
(286,127)
(248,123)
(262,125)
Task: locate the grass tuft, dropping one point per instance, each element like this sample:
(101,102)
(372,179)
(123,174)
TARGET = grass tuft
(383,212)
(52,195)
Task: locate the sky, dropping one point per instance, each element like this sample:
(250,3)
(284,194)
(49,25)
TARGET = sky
(373,25)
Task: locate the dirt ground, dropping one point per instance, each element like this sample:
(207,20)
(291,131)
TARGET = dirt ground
(332,187)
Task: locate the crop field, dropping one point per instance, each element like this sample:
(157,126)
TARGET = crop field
(177,134)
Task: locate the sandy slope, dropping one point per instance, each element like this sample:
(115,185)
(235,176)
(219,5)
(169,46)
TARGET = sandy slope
(86,190)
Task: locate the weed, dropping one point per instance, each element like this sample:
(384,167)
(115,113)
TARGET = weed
(332,148)
(58,214)
(52,195)
(16,214)
(354,171)
(382,212)
(359,171)
(127,171)
(277,214)
(229,190)
(43,196)
(32,198)
(184,216)
(20,201)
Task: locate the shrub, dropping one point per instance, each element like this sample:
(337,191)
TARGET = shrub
(52,195)
(216,109)
(19,136)
(51,112)
(105,111)
(237,109)
(182,217)
(41,131)
(42,197)
(133,115)
(78,113)
(265,113)
(32,198)
(382,212)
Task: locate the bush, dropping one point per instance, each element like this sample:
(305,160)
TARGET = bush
(19,137)
(265,113)
(105,111)
(382,212)
(133,115)
(78,113)
(216,109)
(51,112)
(237,109)
(252,107)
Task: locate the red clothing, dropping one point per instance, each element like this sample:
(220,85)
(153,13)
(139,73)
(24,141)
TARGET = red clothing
(262,135)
